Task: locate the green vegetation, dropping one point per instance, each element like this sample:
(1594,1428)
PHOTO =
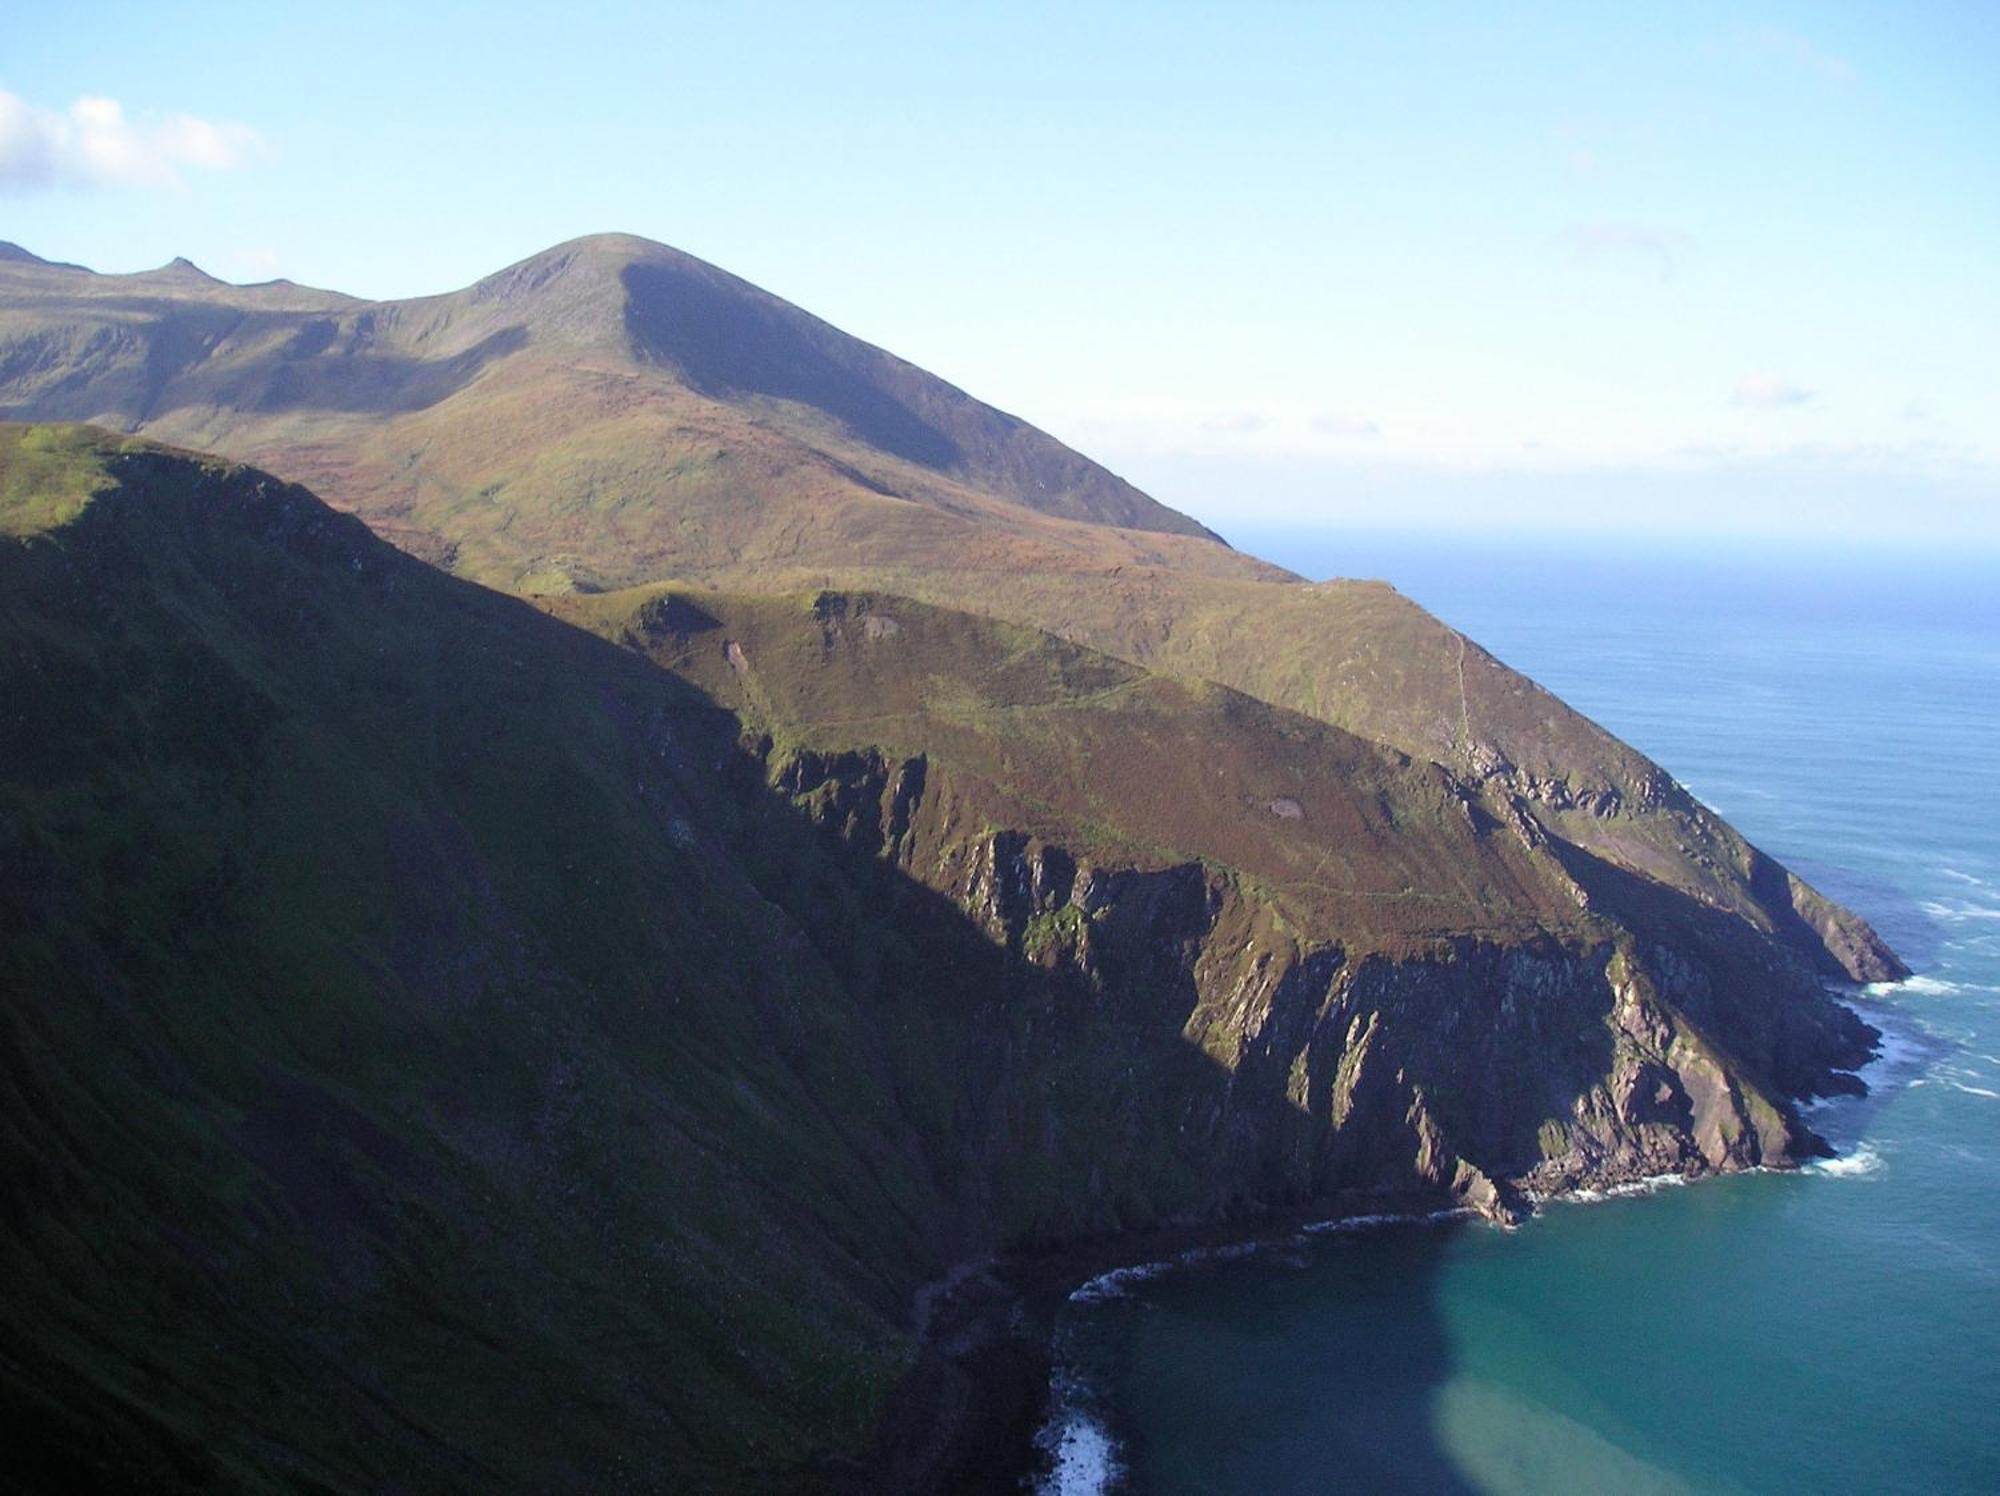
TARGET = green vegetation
(425,1013)
(367,1029)
(611,414)
(565,407)
(885,838)
(1053,932)
(48,474)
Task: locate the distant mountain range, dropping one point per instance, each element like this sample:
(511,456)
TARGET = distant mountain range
(536,426)
(874,838)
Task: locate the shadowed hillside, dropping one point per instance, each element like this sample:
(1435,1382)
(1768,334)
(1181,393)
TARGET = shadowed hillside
(524,423)
(422,1014)
(612,412)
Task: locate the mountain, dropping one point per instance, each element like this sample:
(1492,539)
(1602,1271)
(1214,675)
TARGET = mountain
(426,1009)
(872,839)
(613,413)
(518,425)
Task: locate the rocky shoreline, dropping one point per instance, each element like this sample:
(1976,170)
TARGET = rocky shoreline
(970,1414)
(967,1415)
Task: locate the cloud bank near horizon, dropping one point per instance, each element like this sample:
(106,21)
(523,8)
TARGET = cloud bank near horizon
(1922,494)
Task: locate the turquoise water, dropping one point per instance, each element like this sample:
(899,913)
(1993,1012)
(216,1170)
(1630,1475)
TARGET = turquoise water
(1834,1330)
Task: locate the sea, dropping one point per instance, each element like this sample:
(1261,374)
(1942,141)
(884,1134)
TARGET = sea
(1835,1329)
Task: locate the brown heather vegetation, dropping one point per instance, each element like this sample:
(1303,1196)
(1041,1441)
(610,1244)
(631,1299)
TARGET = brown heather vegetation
(873,838)
(612,413)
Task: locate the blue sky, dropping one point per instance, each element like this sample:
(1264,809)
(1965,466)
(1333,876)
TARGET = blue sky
(1708,269)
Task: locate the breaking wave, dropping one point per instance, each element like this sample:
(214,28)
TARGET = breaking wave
(1364,1222)
(1083,1457)
(1957,911)
(1650,1184)
(1864,1160)
(1924,985)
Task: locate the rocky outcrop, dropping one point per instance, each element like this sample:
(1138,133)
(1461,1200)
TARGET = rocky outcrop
(1486,1070)
(428,1013)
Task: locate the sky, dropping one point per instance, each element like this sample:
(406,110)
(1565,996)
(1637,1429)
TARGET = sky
(1635,270)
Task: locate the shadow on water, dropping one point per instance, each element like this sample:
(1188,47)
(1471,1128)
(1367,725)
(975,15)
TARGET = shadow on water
(878,1086)
(1313,1369)
(891,1085)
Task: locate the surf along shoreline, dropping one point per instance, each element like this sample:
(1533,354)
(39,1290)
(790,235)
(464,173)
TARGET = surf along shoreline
(979,1411)
(971,1414)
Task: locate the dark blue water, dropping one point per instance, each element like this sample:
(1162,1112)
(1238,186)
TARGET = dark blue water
(1833,1330)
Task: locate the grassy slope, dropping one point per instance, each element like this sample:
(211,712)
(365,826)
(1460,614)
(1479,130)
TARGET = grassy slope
(611,413)
(391,1050)
(49,476)
(420,1013)
(1360,656)
(578,377)
(1330,836)
(1347,836)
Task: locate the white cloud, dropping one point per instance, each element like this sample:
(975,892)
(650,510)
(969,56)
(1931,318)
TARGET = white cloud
(1769,391)
(1613,240)
(1235,423)
(94,144)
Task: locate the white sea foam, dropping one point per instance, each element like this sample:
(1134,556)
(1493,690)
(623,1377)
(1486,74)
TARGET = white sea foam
(1119,1281)
(1114,1284)
(1923,984)
(1649,1184)
(1977,1091)
(1958,910)
(1900,1056)
(1364,1222)
(1863,1161)
(1083,1454)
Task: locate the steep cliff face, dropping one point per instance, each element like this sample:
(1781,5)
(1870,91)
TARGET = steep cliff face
(1359,656)
(420,1013)
(1295,918)
(1406,980)
(1473,1067)
(611,412)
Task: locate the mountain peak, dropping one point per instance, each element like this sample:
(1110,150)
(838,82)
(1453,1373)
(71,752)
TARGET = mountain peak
(183,269)
(614,245)
(709,370)
(585,267)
